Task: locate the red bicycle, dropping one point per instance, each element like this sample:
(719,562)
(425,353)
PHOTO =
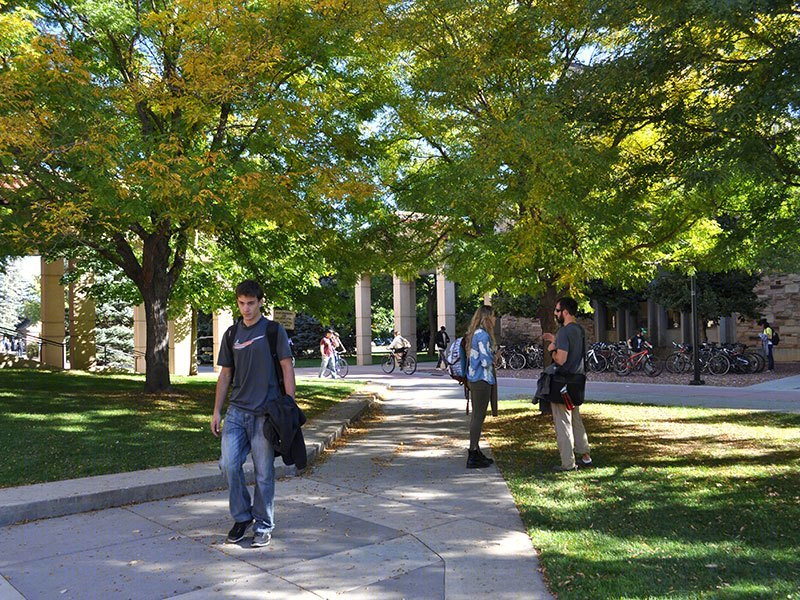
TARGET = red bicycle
(643,360)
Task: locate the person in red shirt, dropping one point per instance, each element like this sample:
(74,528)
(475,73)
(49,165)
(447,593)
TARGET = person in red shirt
(327,352)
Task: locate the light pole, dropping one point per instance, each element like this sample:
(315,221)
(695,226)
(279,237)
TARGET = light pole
(695,336)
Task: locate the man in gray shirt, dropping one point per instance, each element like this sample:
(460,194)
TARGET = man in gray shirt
(567,350)
(249,371)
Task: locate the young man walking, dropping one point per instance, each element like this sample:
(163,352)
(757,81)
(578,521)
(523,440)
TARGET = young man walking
(567,349)
(442,341)
(248,370)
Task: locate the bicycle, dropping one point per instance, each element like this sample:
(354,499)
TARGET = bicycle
(595,361)
(342,368)
(680,361)
(407,365)
(644,360)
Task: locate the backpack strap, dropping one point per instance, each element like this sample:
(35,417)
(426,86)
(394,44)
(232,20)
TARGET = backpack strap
(272,339)
(230,334)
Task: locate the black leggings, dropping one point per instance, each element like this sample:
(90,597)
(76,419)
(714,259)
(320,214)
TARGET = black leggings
(481,394)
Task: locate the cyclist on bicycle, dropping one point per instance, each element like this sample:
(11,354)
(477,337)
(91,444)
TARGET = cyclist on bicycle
(399,347)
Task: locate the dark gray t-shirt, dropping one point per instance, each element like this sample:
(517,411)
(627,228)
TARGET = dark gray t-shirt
(570,338)
(254,381)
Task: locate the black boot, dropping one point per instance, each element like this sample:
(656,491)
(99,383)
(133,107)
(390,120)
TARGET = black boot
(484,457)
(476,460)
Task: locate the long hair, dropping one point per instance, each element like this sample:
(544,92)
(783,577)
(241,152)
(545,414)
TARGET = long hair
(480,320)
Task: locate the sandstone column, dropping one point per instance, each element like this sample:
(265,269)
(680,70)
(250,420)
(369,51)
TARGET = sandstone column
(220,320)
(364,320)
(180,343)
(82,319)
(139,338)
(52,310)
(445,304)
(405,310)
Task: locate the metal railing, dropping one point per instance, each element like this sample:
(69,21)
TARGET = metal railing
(17,342)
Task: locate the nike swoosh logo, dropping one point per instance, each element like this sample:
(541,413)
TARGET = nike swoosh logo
(237,345)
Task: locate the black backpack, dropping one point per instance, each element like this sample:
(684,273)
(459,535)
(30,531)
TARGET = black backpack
(776,339)
(272,340)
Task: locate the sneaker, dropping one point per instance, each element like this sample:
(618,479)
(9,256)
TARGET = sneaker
(261,538)
(583,463)
(236,534)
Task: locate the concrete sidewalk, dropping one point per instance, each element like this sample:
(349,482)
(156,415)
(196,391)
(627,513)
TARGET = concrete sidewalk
(393,513)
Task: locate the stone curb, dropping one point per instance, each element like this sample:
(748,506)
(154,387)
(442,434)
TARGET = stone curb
(59,498)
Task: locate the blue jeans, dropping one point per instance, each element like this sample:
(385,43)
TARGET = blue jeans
(243,434)
(328,362)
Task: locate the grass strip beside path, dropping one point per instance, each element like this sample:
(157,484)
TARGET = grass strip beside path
(683,503)
(56,426)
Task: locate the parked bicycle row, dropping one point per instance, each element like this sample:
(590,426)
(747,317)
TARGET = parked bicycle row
(620,358)
(529,356)
(713,358)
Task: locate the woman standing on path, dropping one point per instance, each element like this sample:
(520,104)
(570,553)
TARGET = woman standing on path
(481,379)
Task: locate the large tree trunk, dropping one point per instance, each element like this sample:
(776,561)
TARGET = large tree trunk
(157,278)
(544,313)
(157,350)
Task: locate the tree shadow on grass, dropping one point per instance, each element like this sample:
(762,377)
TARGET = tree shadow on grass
(652,499)
(752,419)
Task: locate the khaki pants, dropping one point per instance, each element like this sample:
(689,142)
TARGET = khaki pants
(570,434)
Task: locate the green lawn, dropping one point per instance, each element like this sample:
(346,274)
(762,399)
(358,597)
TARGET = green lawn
(61,425)
(683,503)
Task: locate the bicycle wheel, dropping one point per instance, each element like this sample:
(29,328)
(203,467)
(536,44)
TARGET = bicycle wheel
(342,368)
(622,365)
(677,362)
(761,363)
(652,366)
(409,365)
(516,362)
(388,364)
(597,363)
(719,365)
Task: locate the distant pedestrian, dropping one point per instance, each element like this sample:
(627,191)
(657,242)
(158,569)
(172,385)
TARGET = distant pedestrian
(327,353)
(248,368)
(481,378)
(442,341)
(567,347)
(766,342)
